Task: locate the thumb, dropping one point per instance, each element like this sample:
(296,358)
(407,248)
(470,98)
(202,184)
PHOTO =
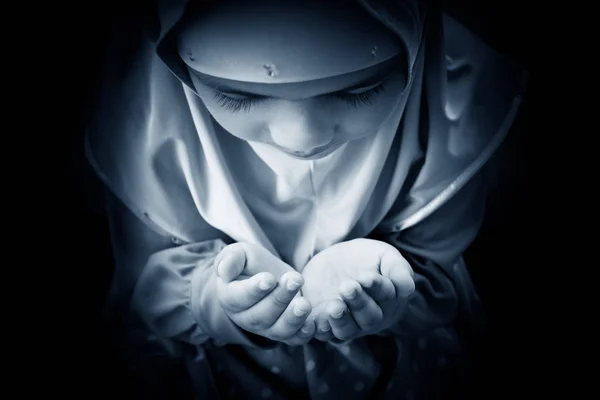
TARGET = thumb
(248,259)
(230,262)
(258,259)
(398,270)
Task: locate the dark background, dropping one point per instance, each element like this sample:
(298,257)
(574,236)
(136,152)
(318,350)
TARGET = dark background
(85,356)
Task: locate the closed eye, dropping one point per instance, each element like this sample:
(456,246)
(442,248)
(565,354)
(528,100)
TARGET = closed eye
(235,102)
(362,89)
(361,96)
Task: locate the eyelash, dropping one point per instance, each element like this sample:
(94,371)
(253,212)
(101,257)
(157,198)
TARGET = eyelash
(354,99)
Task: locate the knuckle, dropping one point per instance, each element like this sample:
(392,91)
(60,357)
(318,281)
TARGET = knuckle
(292,328)
(278,299)
(301,335)
(254,294)
(345,323)
(255,322)
(372,320)
(389,295)
(358,304)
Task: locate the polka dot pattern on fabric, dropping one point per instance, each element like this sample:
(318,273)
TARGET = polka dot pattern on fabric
(310,365)
(275,369)
(345,350)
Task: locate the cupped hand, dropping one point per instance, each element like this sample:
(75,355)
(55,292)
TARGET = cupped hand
(356,288)
(260,294)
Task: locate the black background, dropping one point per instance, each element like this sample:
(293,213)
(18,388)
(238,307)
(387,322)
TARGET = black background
(84,356)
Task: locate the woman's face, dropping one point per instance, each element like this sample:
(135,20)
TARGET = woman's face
(304,77)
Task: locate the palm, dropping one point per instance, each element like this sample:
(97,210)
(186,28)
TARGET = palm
(346,260)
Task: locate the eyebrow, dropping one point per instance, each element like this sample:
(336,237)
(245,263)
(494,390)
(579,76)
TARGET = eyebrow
(218,85)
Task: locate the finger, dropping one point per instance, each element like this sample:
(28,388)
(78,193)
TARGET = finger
(230,263)
(380,288)
(323,328)
(342,324)
(319,317)
(291,321)
(304,335)
(241,295)
(272,306)
(403,282)
(364,310)
(398,270)
(254,259)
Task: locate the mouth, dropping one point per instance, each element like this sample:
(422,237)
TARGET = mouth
(316,153)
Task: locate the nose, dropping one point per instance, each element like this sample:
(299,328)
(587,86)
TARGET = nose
(300,126)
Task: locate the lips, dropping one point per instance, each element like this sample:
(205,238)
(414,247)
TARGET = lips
(308,154)
(305,155)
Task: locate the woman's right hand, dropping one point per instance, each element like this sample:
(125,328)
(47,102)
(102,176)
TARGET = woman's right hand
(260,293)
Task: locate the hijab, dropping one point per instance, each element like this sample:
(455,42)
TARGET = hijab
(156,146)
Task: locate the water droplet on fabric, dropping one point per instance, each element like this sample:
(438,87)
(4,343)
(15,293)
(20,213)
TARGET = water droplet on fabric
(271,70)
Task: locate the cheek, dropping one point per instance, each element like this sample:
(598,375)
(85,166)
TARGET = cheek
(244,125)
(366,119)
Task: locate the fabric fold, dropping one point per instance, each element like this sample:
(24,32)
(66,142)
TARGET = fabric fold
(176,296)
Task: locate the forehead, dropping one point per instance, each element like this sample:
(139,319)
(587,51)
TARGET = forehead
(305,89)
(269,41)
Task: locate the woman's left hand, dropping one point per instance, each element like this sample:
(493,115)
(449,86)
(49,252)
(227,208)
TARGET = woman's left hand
(370,292)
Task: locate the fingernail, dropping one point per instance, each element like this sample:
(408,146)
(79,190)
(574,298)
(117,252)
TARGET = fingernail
(350,294)
(305,330)
(298,311)
(367,282)
(222,262)
(218,262)
(337,315)
(326,328)
(293,285)
(266,284)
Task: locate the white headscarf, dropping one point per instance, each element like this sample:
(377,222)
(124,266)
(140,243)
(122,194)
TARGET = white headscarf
(158,149)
